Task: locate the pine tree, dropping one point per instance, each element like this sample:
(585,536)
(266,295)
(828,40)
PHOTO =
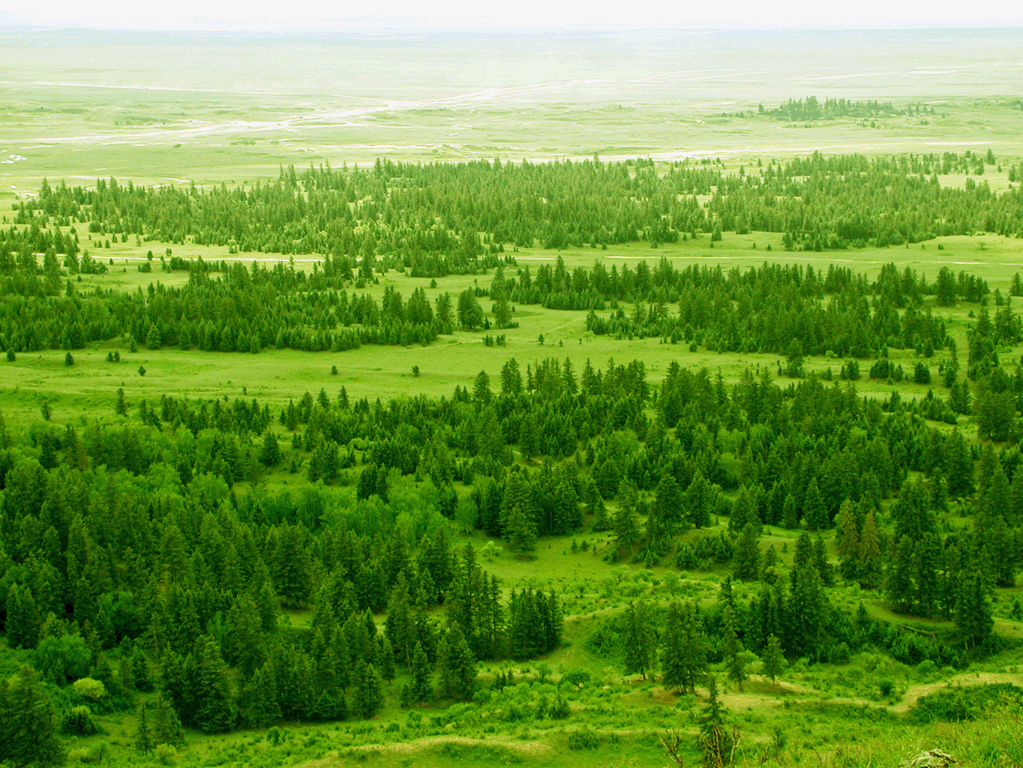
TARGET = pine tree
(216,712)
(790,513)
(418,689)
(869,569)
(673,649)
(899,584)
(694,641)
(639,640)
(848,539)
(458,668)
(773,660)
(28,725)
(973,620)
(696,501)
(270,455)
(716,739)
(143,731)
(667,508)
(747,555)
(258,706)
(821,562)
(625,524)
(520,531)
(733,650)
(369,693)
(815,513)
(166,724)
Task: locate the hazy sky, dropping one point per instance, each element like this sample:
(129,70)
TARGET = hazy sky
(530,14)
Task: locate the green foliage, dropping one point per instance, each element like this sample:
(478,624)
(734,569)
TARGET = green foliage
(958,704)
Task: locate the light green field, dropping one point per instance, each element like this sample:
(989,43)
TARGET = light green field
(164,109)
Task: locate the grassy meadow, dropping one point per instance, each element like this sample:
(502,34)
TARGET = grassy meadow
(78,107)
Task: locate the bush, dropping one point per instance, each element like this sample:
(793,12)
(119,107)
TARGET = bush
(953,705)
(78,721)
(91,689)
(585,739)
(166,754)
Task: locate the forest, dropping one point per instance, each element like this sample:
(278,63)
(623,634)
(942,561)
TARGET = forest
(181,567)
(441,218)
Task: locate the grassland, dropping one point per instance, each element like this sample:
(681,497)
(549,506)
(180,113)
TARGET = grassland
(181,111)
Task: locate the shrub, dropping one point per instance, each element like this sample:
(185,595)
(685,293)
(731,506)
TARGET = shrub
(166,754)
(91,689)
(584,739)
(78,721)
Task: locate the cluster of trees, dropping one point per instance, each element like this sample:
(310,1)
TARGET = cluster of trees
(811,108)
(240,311)
(773,309)
(442,217)
(127,559)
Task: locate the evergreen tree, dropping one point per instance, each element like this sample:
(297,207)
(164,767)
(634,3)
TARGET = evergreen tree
(733,650)
(166,724)
(667,509)
(717,740)
(815,513)
(848,539)
(973,620)
(693,664)
(270,455)
(216,712)
(773,660)
(143,731)
(747,555)
(28,725)
(869,568)
(625,524)
(520,531)
(369,693)
(418,689)
(673,649)
(258,707)
(458,668)
(821,562)
(640,650)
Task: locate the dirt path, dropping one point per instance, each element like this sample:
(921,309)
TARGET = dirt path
(525,749)
(916,692)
